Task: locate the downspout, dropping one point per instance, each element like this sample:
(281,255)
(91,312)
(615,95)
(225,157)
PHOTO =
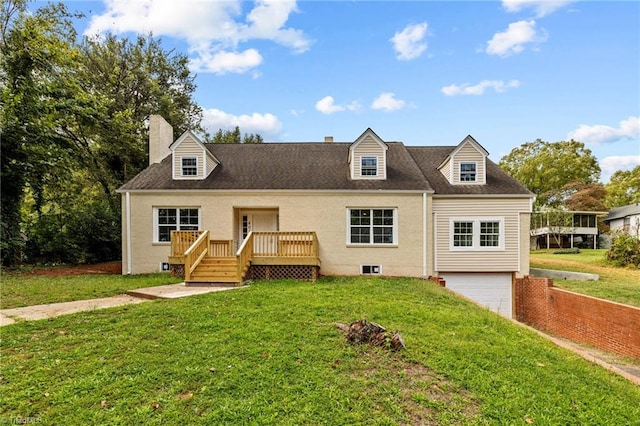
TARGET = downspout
(424,234)
(128,228)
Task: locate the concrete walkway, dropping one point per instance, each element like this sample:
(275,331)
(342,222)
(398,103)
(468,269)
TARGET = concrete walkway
(38,312)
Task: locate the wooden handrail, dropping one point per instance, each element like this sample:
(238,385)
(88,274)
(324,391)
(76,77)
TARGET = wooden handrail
(245,254)
(182,240)
(194,254)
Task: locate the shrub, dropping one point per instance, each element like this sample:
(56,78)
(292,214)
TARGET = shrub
(574,250)
(625,250)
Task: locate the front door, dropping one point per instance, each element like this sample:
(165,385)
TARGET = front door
(259,221)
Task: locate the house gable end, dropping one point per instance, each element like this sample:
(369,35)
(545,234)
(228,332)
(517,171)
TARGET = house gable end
(368,157)
(467,164)
(190,158)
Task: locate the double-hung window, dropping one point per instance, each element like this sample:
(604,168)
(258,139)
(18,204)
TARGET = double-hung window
(467,172)
(369,166)
(477,234)
(174,219)
(189,166)
(372,226)
(489,234)
(463,234)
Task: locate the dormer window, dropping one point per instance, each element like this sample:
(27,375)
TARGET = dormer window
(189,166)
(369,166)
(368,157)
(467,172)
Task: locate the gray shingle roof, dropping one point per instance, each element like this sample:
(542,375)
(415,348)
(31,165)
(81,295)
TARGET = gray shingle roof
(624,211)
(320,166)
(498,181)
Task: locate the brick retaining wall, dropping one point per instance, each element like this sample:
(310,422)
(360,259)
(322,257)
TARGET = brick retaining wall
(610,326)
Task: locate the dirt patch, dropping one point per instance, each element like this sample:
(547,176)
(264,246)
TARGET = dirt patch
(425,397)
(106,268)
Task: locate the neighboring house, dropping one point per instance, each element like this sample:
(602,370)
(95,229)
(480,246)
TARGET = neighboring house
(372,207)
(565,229)
(625,218)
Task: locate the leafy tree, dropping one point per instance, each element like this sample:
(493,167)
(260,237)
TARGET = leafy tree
(35,51)
(545,168)
(585,197)
(623,188)
(73,123)
(233,136)
(119,84)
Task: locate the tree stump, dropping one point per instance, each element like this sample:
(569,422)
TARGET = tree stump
(363,331)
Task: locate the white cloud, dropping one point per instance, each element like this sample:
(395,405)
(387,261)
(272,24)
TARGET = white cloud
(409,43)
(226,62)
(610,165)
(466,89)
(600,133)
(388,102)
(209,27)
(541,7)
(327,105)
(267,125)
(514,38)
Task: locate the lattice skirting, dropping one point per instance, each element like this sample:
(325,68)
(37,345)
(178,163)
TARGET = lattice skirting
(177,270)
(298,272)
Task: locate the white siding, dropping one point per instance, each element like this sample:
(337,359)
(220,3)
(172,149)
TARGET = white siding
(210,164)
(633,222)
(469,154)
(446,170)
(369,147)
(188,148)
(479,260)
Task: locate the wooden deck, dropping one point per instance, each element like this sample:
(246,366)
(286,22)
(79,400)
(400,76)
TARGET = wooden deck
(207,261)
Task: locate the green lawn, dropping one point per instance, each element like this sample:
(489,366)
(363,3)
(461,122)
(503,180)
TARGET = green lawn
(17,290)
(617,284)
(270,353)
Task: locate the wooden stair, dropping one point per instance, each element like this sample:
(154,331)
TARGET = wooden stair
(216,270)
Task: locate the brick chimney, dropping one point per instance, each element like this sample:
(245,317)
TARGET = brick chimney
(328,139)
(160,137)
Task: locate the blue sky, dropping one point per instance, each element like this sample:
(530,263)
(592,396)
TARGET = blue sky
(420,72)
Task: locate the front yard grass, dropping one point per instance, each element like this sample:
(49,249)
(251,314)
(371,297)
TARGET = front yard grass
(617,284)
(17,289)
(270,353)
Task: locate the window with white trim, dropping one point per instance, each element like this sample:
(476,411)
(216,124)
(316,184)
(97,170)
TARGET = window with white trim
(369,166)
(489,234)
(174,219)
(467,172)
(462,234)
(477,233)
(189,166)
(372,226)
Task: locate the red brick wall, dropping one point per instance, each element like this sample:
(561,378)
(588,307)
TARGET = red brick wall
(606,325)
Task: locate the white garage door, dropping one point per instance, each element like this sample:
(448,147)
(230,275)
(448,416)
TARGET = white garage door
(491,290)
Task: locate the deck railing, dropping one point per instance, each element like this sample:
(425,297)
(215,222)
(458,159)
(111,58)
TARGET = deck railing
(221,248)
(194,254)
(245,254)
(182,240)
(190,247)
(285,244)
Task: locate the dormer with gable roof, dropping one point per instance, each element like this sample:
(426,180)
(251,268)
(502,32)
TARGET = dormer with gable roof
(191,159)
(467,164)
(368,157)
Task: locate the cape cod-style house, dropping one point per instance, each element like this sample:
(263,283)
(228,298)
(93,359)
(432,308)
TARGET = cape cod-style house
(229,212)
